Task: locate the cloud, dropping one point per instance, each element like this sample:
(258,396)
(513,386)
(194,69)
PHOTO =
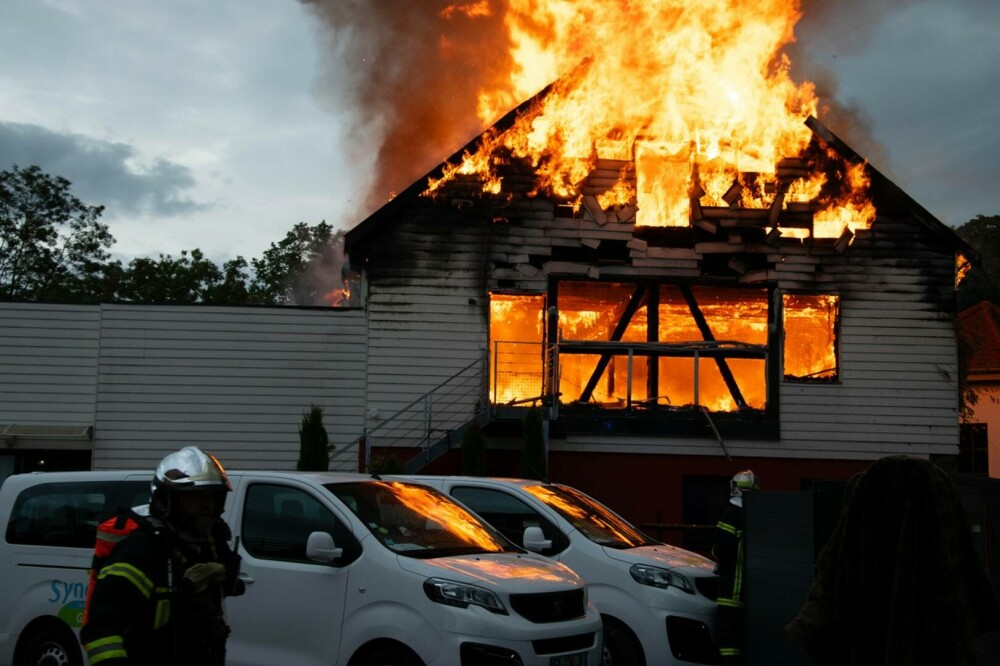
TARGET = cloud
(102,172)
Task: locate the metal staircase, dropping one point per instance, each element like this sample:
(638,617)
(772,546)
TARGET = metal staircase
(430,425)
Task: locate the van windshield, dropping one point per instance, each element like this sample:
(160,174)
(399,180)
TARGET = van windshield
(418,521)
(594,520)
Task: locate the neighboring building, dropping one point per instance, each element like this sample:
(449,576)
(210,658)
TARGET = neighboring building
(979,335)
(118,386)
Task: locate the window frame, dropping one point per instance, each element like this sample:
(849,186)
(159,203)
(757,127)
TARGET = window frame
(82,529)
(343,535)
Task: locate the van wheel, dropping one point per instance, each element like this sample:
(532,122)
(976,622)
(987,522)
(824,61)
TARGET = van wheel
(620,648)
(391,655)
(52,646)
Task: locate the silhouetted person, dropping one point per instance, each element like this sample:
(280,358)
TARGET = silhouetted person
(899,582)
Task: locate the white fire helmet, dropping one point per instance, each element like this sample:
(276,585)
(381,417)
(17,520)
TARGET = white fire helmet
(742,482)
(186,470)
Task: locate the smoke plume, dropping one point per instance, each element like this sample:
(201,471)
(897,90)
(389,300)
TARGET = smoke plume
(411,70)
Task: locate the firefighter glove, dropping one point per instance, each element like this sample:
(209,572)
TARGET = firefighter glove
(203,574)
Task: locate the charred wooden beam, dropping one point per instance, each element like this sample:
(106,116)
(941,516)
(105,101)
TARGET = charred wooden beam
(732,195)
(706,332)
(652,336)
(844,241)
(633,306)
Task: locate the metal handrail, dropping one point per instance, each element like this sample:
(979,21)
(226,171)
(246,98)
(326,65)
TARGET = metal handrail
(439,411)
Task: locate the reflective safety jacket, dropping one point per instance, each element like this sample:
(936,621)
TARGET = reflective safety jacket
(728,552)
(144,612)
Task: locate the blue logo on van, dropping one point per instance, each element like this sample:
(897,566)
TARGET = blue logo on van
(72,597)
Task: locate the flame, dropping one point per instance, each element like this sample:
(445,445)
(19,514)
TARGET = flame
(810,335)
(449,515)
(480,9)
(583,511)
(589,312)
(962,268)
(516,334)
(696,93)
(852,211)
(337,298)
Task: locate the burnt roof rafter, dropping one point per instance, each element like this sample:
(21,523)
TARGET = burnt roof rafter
(880,182)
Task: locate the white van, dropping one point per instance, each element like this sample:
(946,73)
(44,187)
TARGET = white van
(340,569)
(657,601)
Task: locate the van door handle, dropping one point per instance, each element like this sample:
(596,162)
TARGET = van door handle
(246,578)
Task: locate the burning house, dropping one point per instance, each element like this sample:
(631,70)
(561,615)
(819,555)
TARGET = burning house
(689,273)
(665,251)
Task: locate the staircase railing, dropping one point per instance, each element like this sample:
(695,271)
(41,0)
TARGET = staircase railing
(445,409)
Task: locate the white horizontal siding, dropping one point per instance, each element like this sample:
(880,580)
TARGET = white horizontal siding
(426,318)
(235,381)
(898,391)
(48,364)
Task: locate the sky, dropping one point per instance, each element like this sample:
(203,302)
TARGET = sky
(219,125)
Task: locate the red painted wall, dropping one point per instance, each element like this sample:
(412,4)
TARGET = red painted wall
(649,488)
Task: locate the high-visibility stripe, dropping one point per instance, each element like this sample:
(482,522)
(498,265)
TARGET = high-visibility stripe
(730,652)
(110,537)
(738,583)
(162,616)
(131,574)
(111,647)
(726,527)
(732,603)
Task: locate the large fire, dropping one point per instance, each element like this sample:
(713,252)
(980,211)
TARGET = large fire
(686,372)
(692,97)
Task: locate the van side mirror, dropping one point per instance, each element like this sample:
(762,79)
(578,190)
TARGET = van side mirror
(320,548)
(534,540)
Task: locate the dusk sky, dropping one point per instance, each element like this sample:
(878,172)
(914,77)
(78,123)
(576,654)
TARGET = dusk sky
(221,124)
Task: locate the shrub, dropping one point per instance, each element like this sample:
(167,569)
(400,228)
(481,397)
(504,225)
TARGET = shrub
(314,444)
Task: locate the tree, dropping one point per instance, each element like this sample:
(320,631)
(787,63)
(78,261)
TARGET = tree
(314,444)
(169,280)
(301,268)
(189,278)
(983,282)
(473,450)
(52,245)
(533,460)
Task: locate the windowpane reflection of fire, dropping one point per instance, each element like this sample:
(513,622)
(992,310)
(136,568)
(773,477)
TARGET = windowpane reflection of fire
(445,514)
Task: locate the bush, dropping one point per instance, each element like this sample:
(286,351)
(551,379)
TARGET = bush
(314,444)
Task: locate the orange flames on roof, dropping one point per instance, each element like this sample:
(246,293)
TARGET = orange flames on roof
(697,93)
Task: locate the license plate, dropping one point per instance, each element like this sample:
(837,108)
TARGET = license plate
(578,659)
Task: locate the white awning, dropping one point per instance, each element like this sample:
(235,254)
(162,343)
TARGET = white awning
(23,436)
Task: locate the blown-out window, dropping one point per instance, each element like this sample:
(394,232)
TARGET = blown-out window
(811,323)
(517,329)
(632,346)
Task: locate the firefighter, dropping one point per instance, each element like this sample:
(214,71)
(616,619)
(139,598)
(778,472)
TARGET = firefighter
(728,552)
(158,594)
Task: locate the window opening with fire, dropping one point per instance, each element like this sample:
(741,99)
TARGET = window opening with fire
(811,326)
(632,346)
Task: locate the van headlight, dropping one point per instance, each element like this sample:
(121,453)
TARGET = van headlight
(657,577)
(461,595)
